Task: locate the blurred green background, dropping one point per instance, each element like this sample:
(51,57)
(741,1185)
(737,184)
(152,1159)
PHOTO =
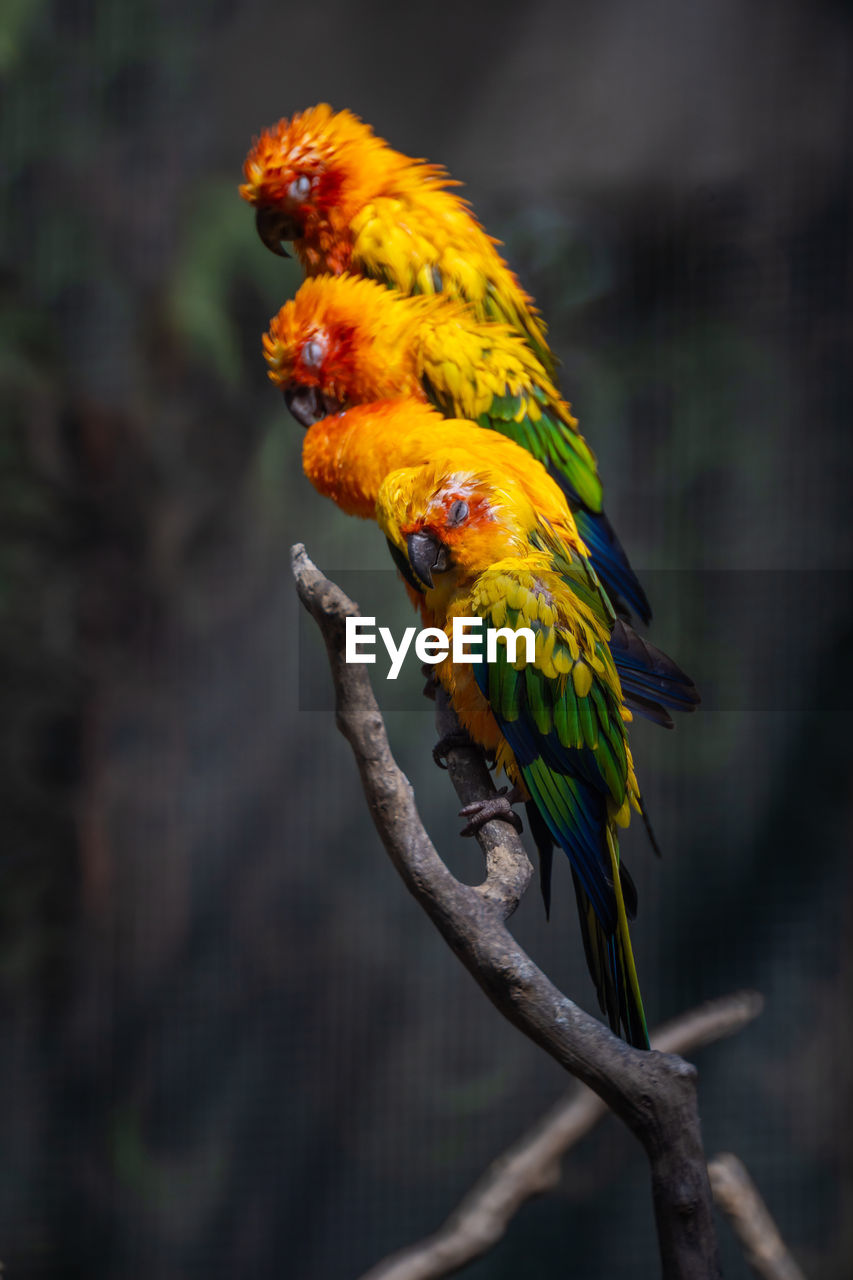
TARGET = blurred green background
(232,1045)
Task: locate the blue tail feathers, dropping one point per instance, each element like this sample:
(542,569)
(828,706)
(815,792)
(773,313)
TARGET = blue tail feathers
(611,564)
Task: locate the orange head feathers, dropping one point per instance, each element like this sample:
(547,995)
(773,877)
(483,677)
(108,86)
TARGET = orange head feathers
(456,524)
(310,175)
(344,340)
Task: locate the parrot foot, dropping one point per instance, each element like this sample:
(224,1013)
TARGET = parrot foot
(496,807)
(456,738)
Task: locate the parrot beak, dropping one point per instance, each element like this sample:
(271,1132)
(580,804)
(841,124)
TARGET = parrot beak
(273,226)
(426,555)
(309,405)
(306,404)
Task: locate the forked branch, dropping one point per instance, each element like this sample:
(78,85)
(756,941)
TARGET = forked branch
(531,1166)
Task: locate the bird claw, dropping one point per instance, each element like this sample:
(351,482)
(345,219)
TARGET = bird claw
(497,808)
(456,738)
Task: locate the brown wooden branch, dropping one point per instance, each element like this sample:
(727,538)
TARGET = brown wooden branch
(653,1093)
(738,1197)
(531,1165)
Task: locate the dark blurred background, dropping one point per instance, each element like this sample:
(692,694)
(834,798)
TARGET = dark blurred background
(231,1044)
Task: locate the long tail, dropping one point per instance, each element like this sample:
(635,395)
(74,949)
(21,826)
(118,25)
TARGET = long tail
(610,957)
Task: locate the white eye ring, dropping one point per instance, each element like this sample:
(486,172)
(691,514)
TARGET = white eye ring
(300,187)
(313,352)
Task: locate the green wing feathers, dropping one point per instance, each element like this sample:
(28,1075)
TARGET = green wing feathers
(561,715)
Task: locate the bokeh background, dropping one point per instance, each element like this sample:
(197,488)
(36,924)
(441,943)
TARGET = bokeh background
(231,1044)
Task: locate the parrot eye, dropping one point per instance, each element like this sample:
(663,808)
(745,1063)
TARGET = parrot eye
(300,187)
(312,353)
(457,513)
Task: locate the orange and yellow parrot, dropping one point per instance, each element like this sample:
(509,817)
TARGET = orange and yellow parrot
(556,723)
(325,182)
(343,341)
(348,455)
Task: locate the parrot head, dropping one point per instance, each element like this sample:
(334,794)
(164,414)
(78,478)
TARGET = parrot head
(340,342)
(452,527)
(308,176)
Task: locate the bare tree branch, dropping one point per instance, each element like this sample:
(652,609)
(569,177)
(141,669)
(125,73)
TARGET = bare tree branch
(531,1165)
(653,1093)
(738,1197)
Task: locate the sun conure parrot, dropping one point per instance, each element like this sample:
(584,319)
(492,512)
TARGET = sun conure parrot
(556,725)
(325,182)
(343,341)
(347,455)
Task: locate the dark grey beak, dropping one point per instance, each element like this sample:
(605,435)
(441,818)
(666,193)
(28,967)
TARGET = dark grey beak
(306,404)
(426,555)
(274,226)
(309,405)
